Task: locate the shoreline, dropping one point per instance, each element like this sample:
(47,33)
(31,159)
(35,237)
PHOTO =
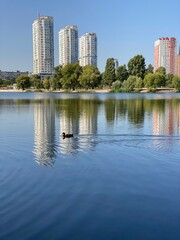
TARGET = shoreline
(57,91)
(144,90)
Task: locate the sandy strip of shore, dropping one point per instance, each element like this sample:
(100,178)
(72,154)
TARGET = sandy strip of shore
(11,90)
(80,90)
(144,90)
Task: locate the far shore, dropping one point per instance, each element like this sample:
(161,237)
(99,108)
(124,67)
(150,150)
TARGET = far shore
(58,91)
(144,90)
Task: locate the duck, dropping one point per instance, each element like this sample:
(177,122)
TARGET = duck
(67,135)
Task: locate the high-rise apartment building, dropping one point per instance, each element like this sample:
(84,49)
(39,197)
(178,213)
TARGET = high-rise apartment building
(164,54)
(68,45)
(177,65)
(88,50)
(116,63)
(43,46)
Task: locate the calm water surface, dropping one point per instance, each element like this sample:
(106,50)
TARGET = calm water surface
(118,178)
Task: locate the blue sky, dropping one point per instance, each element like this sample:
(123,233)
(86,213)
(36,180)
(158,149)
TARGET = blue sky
(124,28)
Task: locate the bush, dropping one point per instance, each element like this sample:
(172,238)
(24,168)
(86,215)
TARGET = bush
(116,85)
(129,84)
(176,83)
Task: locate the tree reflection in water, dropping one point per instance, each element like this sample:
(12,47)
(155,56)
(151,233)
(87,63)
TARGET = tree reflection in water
(85,117)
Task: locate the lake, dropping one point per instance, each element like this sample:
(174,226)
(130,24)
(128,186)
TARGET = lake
(117,178)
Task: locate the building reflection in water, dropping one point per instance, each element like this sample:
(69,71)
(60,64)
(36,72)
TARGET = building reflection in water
(67,125)
(80,117)
(178,119)
(87,126)
(81,120)
(166,120)
(44,132)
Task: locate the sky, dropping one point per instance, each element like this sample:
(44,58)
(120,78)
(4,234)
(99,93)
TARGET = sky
(124,28)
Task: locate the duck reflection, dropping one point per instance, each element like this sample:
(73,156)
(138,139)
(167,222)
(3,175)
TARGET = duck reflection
(69,124)
(44,132)
(80,119)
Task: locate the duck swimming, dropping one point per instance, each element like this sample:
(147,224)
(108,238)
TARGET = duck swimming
(67,135)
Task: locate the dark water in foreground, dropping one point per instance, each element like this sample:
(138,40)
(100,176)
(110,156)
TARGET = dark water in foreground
(118,178)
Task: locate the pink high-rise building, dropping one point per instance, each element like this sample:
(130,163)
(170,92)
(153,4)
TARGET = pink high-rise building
(177,68)
(165,54)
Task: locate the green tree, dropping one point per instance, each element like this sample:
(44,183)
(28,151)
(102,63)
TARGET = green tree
(55,80)
(36,81)
(176,83)
(159,79)
(169,79)
(116,86)
(122,73)
(109,75)
(8,82)
(136,66)
(150,69)
(54,84)
(23,81)
(46,83)
(149,80)
(154,80)
(161,70)
(138,82)
(90,77)
(70,75)
(129,84)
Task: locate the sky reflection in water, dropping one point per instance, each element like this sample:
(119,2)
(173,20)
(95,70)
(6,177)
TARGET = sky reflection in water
(93,119)
(117,178)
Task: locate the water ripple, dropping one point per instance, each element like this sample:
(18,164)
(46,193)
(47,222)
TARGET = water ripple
(89,142)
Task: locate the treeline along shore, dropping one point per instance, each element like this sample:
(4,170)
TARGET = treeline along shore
(135,77)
